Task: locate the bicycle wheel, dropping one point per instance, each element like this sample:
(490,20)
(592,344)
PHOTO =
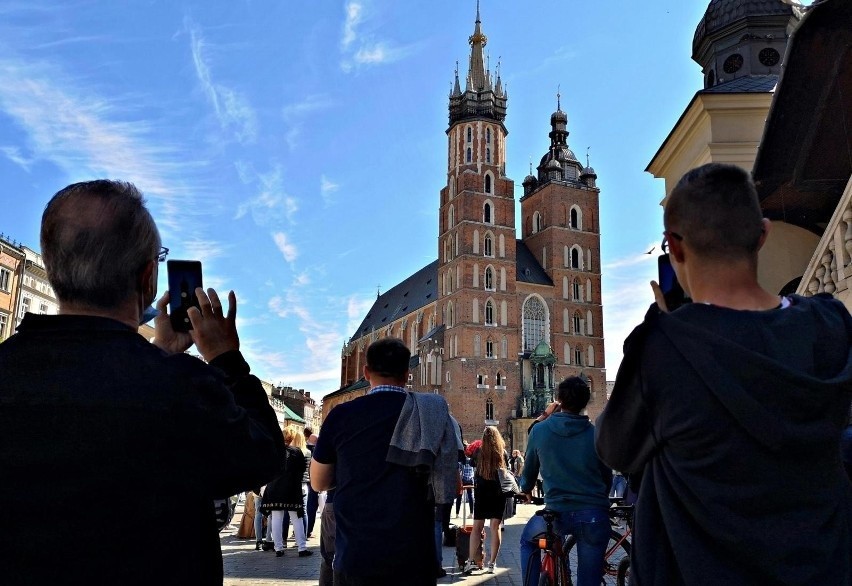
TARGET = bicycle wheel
(617,549)
(622,574)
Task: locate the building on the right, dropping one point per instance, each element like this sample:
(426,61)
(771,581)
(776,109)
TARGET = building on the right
(777,100)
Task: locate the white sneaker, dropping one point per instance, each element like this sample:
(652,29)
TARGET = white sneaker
(469,566)
(489,569)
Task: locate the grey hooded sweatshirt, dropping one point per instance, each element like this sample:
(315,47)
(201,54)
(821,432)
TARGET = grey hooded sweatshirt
(735,418)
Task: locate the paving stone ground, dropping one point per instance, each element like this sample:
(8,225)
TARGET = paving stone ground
(244,565)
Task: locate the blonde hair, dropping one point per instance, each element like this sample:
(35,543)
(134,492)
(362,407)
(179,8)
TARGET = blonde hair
(298,440)
(288,435)
(490,454)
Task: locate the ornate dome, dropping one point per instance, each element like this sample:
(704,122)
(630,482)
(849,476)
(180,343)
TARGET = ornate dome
(558,117)
(588,172)
(563,155)
(553,164)
(529,180)
(721,13)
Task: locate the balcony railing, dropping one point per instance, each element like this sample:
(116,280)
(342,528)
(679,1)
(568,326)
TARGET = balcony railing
(830,268)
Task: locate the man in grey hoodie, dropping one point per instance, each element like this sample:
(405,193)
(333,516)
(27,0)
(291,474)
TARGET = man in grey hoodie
(576,483)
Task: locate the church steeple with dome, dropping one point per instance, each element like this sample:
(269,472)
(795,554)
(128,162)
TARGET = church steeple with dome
(743,39)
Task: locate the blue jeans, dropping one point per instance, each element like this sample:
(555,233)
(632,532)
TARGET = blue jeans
(589,527)
(258,519)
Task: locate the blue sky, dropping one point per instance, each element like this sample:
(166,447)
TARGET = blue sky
(297,148)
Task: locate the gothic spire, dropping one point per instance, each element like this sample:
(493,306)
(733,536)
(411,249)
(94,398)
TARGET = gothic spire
(477,64)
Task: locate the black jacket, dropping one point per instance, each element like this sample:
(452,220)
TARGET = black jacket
(736,417)
(285,491)
(111,452)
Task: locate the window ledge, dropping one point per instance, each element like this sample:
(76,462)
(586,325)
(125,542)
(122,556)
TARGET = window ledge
(482,387)
(494,422)
(500,387)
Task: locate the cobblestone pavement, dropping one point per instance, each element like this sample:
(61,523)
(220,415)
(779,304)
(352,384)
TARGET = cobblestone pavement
(244,565)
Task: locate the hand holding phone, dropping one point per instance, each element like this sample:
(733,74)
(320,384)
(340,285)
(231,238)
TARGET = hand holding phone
(184,279)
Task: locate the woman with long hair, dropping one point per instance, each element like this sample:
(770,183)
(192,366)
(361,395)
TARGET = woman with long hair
(488,499)
(284,495)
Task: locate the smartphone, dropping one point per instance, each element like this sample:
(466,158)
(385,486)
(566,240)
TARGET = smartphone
(184,278)
(667,278)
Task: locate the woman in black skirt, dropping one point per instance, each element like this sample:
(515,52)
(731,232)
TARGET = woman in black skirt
(488,499)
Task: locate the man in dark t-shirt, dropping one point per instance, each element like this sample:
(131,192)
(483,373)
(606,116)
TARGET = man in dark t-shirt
(384,517)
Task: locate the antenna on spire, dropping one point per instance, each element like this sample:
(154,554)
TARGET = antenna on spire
(457,67)
(587,156)
(378,291)
(558,98)
(477,10)
(530,165)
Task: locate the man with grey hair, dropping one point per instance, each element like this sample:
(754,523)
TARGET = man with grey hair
(112,449)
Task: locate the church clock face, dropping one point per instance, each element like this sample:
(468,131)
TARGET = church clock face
(769,57)
(733,63)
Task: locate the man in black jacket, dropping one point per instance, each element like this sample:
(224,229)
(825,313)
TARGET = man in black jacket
(733,406)
(112,449)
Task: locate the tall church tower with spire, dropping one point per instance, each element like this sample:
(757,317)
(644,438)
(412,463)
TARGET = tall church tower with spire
(476,241)
(496,321)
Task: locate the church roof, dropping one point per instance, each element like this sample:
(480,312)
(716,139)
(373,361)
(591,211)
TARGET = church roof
(418,290)
(745,85)
(528,269)
(722,13)
(361,383)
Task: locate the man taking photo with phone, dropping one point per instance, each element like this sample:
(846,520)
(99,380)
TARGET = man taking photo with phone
(733,407)
(112,449)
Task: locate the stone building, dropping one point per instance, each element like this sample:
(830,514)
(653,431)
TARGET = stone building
(497,321)
(12,259)
(37,295)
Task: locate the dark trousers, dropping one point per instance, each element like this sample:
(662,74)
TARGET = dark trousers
(311,508)
(341,579)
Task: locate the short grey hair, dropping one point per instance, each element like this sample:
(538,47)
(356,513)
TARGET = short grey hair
(96,238)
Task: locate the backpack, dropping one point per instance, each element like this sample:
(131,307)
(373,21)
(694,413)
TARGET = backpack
(467,473)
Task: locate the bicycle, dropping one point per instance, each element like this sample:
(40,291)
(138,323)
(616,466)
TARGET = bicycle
(559,556)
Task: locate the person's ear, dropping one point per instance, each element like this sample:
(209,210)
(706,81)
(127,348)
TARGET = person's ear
(764,232)
(366,373)
(676,249)
(148,280)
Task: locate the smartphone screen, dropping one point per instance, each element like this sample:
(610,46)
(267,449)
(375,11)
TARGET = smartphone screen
(184,278)
(667,278)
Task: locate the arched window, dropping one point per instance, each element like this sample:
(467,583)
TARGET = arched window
(488,135)
(501,380)
(535,322)
(502,278)
(489,348)
(452,189)
(469,154)
(489,409)
(476,242)
(578,356)
(476,275)
(589,323)
(566,350)
(591,358)
(577,290)
(564,287)
(477,342)
(589,290)
(488,180)
(469,134)
(566,321)
(502,247)
(576,219)
(487,155)
(488,245)
(451,216)
(504,348)
(450,314)
(489,313)
(575,258)
(503,314)
(480,380)
(537,222)
(576,324)
(489,279)
(486,213)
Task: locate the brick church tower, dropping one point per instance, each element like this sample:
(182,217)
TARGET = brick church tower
(476,256)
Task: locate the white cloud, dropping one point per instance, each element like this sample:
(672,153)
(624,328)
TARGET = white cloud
(14,154)
(272,204)
(204,250)
(87,135)
(231,107)
(287,248)
(354,13)
(374,54)
(327,188)
(294,115)
(356,309)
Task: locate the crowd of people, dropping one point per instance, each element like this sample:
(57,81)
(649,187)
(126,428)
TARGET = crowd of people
(727,414)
